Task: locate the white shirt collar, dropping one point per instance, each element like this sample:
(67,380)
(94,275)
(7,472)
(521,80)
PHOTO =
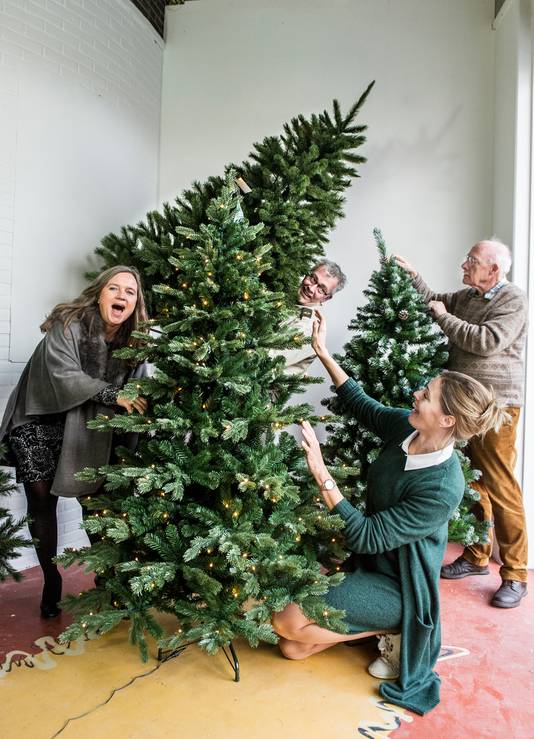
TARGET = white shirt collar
(420,461)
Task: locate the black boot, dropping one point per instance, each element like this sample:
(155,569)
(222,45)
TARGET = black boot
(43,528)
(510,594)
(51,596)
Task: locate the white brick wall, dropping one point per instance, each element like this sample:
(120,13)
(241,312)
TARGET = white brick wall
(69,533)
(105,46)
(108,49)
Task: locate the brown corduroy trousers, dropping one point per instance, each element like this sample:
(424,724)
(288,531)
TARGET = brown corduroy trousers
(501,499)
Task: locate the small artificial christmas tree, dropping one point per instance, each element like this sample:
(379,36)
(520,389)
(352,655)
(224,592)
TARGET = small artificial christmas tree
(212,518)
(396,349)
(11,539)
(297,182)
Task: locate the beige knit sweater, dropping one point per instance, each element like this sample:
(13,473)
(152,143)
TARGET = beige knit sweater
(486,336)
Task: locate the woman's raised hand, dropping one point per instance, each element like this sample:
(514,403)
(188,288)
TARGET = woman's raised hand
(318,342)
(139,404)
(318,338)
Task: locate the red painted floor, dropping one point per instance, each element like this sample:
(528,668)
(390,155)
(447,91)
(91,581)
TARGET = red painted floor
(20,618)
(488,693)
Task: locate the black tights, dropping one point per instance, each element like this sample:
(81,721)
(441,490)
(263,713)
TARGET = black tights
(43,526)
(42,507)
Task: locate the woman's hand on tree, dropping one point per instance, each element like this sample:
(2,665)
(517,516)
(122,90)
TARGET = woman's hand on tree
(139,404)
(312,449)
(317,467)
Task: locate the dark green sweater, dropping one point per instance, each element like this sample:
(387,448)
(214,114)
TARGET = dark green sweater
(407,514)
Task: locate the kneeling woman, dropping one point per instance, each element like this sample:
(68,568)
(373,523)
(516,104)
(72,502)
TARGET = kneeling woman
(412,490)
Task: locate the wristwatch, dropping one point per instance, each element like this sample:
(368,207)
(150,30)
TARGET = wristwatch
(328,484)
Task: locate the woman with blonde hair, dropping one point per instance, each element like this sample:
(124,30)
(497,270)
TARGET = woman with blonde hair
(71,377)
(413,489)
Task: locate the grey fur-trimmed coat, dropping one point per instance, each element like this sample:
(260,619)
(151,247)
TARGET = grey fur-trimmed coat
(68,367)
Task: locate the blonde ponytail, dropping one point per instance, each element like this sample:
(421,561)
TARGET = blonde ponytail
(472,404)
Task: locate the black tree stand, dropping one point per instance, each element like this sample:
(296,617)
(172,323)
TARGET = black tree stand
(166,654)
(234,662)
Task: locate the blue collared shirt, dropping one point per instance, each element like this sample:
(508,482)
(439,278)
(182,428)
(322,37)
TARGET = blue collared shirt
(491,292)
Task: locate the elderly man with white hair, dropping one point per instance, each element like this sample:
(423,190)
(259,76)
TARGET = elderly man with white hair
(486,325)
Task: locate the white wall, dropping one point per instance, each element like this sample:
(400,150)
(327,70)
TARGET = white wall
(513,191)
(80,83)
(236,70)
(506,40)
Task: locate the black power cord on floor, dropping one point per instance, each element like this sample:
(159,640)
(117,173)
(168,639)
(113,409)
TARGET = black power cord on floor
(116,690)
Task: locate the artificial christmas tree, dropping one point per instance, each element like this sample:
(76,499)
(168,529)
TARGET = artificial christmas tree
(212,518)
(11,539)
(297,182)
(396,349)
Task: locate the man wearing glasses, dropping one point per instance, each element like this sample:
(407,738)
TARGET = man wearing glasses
(486,325)
(323,282)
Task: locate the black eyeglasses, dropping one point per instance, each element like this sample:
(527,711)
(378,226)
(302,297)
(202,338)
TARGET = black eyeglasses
(312,277)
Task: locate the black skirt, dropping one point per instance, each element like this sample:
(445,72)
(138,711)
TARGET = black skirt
(36,447)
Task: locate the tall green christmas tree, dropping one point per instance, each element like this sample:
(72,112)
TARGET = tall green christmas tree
(297,182)
(213,518)
(11,539)
(396,348)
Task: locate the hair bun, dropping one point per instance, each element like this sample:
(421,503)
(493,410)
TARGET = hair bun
(493,417)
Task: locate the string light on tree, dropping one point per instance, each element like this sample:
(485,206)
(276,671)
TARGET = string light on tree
(191,487)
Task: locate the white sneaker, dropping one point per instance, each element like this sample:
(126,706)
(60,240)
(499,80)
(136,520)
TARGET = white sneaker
(387,666)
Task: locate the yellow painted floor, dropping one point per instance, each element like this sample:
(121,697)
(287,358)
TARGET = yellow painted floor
(87,691)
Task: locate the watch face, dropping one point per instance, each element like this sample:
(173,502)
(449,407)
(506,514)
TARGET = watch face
(329,484)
